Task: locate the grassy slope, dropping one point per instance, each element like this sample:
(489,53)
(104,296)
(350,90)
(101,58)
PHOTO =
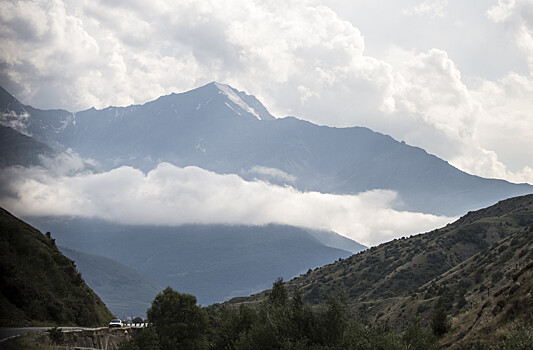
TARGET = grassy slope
(452,267)
(489,316)
(38,284)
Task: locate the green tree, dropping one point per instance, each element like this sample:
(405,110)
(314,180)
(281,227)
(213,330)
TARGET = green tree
(178,321)
(440,323)
(417,337)
(278,296)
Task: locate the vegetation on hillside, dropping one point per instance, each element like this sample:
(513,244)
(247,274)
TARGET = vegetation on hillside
(280,322)
(461,271)
(38,284)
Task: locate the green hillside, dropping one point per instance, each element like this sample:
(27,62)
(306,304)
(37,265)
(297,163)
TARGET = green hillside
(38,284)
(505,314)
(463,268)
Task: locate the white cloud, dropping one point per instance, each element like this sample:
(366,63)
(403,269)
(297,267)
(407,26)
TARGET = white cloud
(15,121)
(272,173)
(169,195)
(517,15)
(428,7)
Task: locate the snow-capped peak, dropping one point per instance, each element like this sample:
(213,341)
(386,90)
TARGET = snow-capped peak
(231,93)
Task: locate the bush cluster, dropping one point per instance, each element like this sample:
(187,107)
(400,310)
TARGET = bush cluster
(281,322)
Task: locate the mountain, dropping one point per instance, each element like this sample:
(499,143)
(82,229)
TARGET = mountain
(17,149)
(470,268)
(219,128)
(334,240)
(124,290)
(212,262)
(38,284)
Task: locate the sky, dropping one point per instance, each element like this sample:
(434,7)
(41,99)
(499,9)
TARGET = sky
(454,77)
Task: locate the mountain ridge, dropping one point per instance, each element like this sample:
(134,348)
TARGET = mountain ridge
(198,128)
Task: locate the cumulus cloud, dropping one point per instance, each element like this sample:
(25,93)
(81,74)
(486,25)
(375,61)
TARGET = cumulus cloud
(299,58)
(517,15)
(15,121)
(428,7)
(169,195)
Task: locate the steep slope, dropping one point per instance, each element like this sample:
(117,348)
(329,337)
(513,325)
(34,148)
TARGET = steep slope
(39,285)
(453,267)
(224,130)
(17,149)
(124,290)
(494,318)
(213,262)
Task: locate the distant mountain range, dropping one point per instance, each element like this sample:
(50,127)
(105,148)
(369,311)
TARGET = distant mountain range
(212,262)
(218,128)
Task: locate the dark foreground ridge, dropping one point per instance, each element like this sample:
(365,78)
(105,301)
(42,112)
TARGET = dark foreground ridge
(38,284)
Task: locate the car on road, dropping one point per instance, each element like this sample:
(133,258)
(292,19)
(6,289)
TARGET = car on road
(115,323)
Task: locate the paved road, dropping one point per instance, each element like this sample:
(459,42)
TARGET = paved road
(6,333)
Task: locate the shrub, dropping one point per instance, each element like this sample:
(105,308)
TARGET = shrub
(440,323)
(56,335)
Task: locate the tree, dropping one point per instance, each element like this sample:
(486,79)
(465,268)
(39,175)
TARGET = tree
(178,321)
(440,323)
(278,296)
(417,337)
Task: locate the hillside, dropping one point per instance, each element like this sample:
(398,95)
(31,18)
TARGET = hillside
(124,290)
(218,128)
(38,284)
(458,267)
(498,300)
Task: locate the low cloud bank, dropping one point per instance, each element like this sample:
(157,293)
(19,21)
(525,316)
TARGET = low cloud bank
(169,195)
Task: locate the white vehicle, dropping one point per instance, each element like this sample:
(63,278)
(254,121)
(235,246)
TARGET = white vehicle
(115,323)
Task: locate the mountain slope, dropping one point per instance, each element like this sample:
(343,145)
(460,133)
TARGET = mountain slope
(39,285)
(452,267)
(498,316)
(17,149)
(224,130)
(213,262)
(124,290)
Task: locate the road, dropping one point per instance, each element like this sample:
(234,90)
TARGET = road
(6,333)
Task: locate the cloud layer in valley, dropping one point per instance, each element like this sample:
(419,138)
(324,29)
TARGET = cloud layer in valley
(169,195)
(450,76)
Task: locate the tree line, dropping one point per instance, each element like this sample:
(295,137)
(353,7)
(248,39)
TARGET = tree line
(282,322)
